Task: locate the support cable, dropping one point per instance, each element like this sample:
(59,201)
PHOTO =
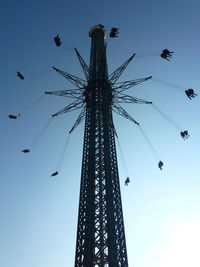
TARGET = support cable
(172,85)
(29,106)
(107,40)
(155,153)
(41,133)
(149,54)
(172,122)
(38,73)
(63,153)
(68,47)
(122,157)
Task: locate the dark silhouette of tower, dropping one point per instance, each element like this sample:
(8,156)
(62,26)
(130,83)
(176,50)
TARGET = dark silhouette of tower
(100,232)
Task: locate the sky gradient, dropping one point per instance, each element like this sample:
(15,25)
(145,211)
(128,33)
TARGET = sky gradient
(161,208)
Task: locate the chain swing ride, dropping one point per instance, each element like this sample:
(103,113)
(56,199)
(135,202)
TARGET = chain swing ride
(100,231)
(118,92)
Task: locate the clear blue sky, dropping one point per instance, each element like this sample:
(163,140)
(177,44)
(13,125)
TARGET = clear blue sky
(161,208)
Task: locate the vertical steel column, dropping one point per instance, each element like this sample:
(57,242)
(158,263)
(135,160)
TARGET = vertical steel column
(100,232)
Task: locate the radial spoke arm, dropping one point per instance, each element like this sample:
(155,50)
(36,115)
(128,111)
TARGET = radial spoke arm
(118,109)
(113,77)
(73,106)
(84,66)
(123,98)
(73,93)
(80,118)
(122,86)
(78,82)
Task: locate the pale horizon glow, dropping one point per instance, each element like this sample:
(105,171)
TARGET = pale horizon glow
(182,245)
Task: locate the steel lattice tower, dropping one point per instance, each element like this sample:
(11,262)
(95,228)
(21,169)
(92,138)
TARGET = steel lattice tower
(100,232)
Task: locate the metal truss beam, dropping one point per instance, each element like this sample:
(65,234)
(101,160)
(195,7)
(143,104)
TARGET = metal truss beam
(113,77)
(123,98)
(78,82)
(74,93)
(84,66)
(77,104)
(118,109)
(80,118)
(122,86)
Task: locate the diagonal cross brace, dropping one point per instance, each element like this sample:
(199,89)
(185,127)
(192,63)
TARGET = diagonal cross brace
(78,82)
(73,93)
(113,77)
(122,86)
(84,66)
(72,106)
(80,118)
(118,109)
(123,98)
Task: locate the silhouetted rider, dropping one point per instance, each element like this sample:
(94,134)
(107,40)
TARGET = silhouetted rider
(185,135)
(160,165)
(166,54)
(12,116)
(57,40)
(190,93)
(54,174)
(26,150)
(20,75)
(114,31)
(127,181)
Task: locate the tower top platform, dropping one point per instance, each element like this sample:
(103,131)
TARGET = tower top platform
(97,27)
